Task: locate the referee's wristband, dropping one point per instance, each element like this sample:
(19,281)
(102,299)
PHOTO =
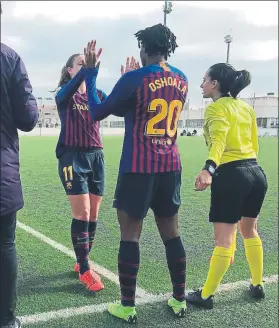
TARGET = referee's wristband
(212,163)
(210,167)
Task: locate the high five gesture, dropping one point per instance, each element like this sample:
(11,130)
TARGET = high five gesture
(131,65)
(91,55)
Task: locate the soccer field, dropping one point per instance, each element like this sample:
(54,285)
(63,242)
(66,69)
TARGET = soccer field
(50,294)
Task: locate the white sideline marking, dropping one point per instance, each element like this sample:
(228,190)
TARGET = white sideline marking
(99,269)
(89,309)
(99,308)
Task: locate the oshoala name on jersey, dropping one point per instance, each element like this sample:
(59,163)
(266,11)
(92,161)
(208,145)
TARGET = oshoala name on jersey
(168,81)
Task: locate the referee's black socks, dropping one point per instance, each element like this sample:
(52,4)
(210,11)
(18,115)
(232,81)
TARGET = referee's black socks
(176,258)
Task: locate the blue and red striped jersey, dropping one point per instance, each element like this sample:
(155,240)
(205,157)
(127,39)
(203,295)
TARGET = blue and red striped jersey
(151,100)
(78,129)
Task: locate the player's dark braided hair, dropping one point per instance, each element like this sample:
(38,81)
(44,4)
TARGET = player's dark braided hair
(157,39)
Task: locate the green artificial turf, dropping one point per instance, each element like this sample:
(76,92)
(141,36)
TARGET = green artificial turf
(46,280)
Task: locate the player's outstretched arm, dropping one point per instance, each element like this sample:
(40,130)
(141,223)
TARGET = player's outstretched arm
(117,103)
(66,92)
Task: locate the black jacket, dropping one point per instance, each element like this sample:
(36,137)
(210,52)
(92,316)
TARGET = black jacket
(18,111)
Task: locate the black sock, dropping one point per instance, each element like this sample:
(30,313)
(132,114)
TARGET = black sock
(92,232)
(176,258)
(80,240)
(128,266)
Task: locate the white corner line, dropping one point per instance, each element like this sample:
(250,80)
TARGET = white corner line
(99,269)
(99,308)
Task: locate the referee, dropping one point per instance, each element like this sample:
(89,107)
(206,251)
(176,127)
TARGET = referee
(238,183)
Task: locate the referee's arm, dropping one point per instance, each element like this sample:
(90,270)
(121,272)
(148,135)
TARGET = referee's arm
(218,127)
(255,139)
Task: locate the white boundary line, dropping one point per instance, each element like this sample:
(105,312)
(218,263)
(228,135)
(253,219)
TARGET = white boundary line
(143,297)
(99,269)
(99,308)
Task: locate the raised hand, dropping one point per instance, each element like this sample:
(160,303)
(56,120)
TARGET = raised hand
(91,55)
(131,65)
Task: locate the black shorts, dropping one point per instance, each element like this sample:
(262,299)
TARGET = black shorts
(238,190)
(137,192)
(82,172)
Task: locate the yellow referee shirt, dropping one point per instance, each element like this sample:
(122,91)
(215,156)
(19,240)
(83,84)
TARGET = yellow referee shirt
(230,131)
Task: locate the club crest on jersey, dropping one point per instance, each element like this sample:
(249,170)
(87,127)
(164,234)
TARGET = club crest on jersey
(164,142)
(69,185)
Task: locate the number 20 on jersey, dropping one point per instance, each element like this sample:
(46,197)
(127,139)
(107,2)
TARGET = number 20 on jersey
(167,112)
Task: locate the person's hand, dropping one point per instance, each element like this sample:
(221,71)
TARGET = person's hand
(91,55)
(203,180)
(131,65)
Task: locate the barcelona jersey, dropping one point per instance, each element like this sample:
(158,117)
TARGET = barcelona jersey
(151,100)
(78,129)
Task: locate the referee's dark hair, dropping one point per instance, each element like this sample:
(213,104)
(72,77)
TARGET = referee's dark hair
(230,80)
(157,39)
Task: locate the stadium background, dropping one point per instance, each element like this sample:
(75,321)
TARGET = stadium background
(266,108)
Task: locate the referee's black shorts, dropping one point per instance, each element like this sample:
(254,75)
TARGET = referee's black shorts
(238,190)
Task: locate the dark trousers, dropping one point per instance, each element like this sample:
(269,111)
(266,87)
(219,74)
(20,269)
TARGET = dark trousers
(8,269)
